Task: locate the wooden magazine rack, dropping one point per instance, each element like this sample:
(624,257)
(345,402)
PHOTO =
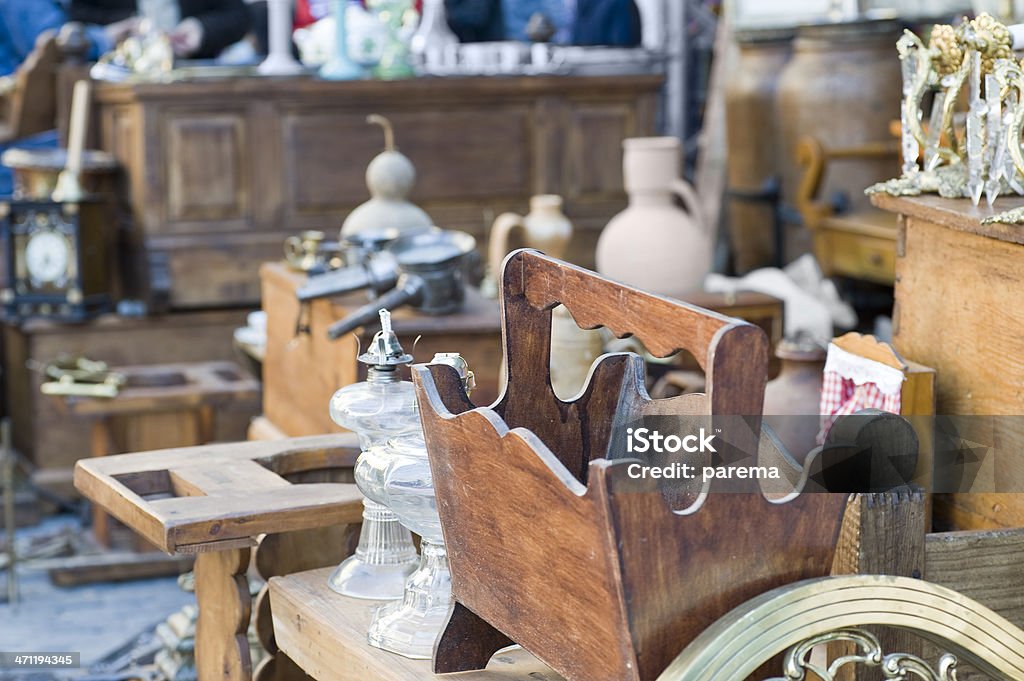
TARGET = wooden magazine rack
(551,545)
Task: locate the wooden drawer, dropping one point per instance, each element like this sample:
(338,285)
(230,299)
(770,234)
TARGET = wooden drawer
(860,256)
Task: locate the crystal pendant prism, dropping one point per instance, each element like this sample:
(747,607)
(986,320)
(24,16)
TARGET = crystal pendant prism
(993,139)
(908,143)
(976,115)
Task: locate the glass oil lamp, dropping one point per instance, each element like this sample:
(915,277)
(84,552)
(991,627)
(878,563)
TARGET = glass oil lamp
(406,486)
(378,409)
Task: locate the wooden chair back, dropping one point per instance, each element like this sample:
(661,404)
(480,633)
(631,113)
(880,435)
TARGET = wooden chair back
(732,353)
(31,106)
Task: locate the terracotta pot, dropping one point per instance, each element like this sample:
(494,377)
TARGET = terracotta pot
(654,244)
(796,394)
(753,148)
(843,87)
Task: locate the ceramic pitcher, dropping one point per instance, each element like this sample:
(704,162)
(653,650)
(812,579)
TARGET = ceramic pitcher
(654,244)
(545,228)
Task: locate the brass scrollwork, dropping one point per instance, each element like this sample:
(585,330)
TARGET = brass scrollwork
(902,666)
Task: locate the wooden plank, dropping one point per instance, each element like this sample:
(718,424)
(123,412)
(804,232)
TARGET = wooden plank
(326,635)
(883,534)
(116,567)
(983,565)
(261,428)
(979,511)
(958,215)
(181,499)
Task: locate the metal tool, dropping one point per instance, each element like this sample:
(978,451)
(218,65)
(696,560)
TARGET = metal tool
(369,266)
(431,278)
(78,376)
(378,273)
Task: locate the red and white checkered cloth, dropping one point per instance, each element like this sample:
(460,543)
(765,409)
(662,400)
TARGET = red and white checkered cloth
(852,383)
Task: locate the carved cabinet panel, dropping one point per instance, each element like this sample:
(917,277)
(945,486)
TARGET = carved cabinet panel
(220,172)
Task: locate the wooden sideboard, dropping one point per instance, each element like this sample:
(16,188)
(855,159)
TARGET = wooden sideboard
(960,309)
(218,172)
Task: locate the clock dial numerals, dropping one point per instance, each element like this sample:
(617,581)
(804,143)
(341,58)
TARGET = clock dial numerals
(47,256)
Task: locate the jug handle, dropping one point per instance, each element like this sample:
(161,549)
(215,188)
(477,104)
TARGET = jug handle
(498,247)
(685,191)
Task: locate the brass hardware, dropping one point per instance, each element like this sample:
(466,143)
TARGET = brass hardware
(78,376)
(782,619)
(869,653)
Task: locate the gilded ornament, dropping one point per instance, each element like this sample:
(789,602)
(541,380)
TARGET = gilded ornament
(947,54)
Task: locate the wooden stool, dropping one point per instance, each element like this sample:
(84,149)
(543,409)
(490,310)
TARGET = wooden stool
(160,406)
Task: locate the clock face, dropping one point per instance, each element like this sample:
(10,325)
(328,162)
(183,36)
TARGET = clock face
(47,256)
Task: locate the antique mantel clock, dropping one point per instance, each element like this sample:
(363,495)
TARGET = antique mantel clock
(58,258)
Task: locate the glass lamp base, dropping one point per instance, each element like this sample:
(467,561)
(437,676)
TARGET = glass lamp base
(340,69)
(356,578)
(383,561)
(410,628)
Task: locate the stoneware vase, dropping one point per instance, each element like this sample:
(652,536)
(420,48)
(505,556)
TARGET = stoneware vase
(547,229)
(791,400)
(655,244)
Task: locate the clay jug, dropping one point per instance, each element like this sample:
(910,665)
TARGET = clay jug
(545,228)
(654,244)
(795,395)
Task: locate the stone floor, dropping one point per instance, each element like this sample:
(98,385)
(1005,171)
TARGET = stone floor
(94,620)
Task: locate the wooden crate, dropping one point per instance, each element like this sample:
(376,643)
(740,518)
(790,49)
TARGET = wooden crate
(302,372)
(54,441)
(959,308)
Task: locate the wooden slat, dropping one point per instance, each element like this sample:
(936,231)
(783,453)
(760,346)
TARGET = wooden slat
(983,565)
(116,567)
(326,635)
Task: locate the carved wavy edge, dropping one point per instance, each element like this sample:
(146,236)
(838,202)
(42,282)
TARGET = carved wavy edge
(751,634)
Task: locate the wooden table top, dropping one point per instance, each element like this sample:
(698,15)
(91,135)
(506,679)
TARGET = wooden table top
(220,496)
(418,89)
(956,214)
(325,634)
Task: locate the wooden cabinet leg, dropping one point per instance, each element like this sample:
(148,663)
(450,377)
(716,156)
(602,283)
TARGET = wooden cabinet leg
(102,445)
(222,594)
